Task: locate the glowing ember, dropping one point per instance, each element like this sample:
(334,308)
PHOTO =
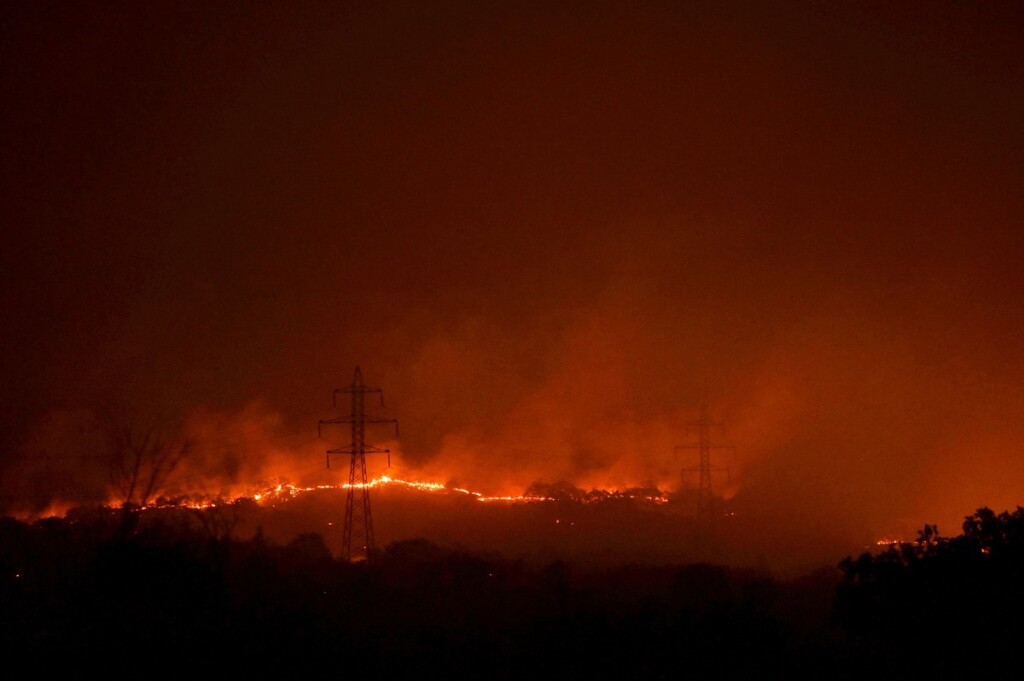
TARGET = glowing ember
(889,541)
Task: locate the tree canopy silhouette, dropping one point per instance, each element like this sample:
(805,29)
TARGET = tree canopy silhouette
(958,596)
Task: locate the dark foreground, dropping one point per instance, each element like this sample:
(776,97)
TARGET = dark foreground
(182,597)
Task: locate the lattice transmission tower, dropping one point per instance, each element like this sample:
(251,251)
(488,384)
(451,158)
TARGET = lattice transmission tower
(357,539)
(706,515)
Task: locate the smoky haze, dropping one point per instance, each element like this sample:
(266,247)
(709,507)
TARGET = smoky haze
(545,232)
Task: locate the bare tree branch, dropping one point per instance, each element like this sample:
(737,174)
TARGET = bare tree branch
(140,466)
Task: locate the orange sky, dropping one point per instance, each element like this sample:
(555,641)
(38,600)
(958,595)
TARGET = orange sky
(543,230)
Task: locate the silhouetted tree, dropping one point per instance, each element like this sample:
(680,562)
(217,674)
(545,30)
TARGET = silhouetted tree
(139,465)
(960,595)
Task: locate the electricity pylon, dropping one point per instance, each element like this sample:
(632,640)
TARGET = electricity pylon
(357,541)
(705,498)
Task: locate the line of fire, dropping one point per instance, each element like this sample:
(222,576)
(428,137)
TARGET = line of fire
(358,542)
(691,522)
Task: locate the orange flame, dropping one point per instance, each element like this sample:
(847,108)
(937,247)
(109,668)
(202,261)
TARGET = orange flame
(284,491)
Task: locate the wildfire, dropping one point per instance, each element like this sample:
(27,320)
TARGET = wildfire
(283,491)
(890,541)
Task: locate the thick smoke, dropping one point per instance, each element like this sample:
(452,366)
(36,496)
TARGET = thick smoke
(546,234)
